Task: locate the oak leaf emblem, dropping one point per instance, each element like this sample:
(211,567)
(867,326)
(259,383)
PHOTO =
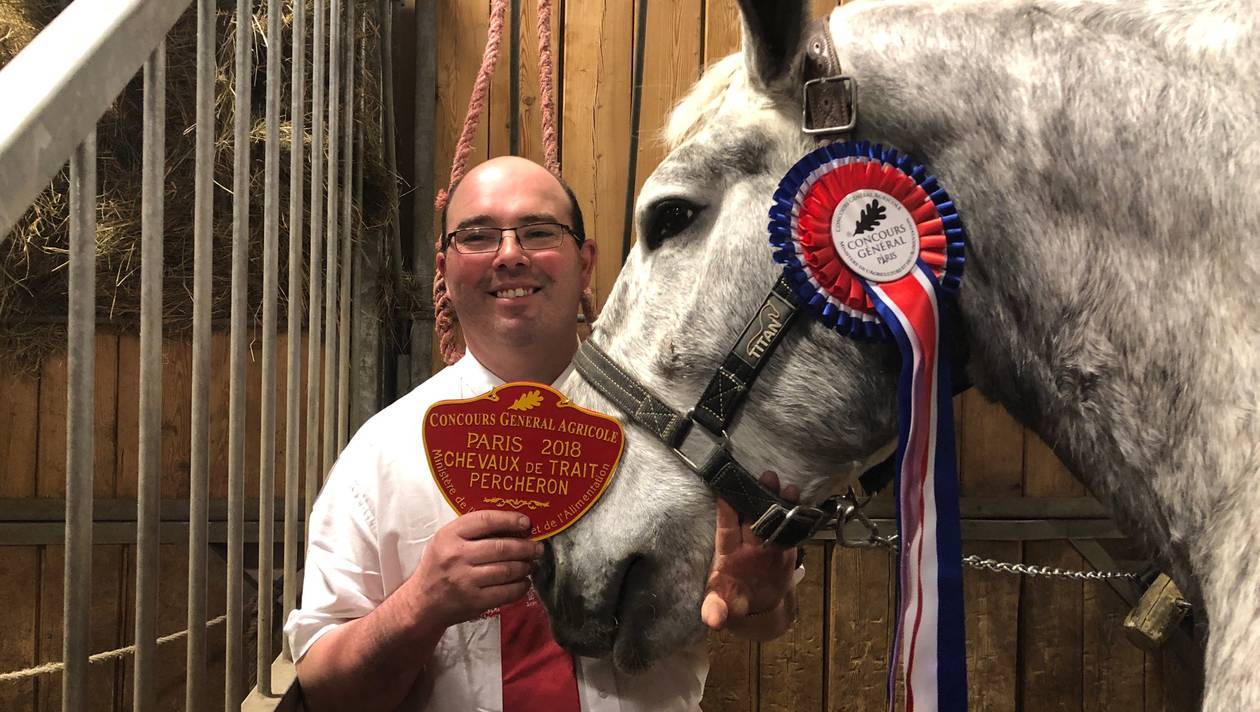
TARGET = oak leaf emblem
(533,399)
(872,215)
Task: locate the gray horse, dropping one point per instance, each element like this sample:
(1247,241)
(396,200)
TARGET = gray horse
(1106,161)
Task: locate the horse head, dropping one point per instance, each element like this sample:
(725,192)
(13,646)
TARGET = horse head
(628,579)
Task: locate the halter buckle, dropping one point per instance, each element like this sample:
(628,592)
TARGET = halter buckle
(696,458)
(847,95)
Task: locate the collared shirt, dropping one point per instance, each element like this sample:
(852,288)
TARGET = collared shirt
(374,517)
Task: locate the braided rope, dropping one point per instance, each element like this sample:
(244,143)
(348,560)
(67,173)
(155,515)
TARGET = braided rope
(48,668)
(444,316)
(445,319)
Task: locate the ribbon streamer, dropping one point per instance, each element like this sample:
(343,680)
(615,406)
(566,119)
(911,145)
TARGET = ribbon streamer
(906,225)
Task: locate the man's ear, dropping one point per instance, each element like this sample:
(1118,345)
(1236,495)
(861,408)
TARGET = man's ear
(439,261)
(588,253)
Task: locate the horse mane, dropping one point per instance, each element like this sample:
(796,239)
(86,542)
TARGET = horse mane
(705,98)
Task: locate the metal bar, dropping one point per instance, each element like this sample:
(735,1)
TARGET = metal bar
(365,345)
(335,30)
(109,533)
(203,267)
(284,679)
(385,57)
(234,686)
(1006,529)
(636,104)
(293,378)
(978,508)
(267,415)
(58,87)
(347,230)
(315,313)
(80,390)
(53,510)
(150,457)
(422,243)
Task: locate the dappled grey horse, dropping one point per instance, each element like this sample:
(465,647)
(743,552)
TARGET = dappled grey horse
(1106,160)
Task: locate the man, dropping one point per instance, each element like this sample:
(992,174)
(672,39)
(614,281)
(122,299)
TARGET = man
(406,605)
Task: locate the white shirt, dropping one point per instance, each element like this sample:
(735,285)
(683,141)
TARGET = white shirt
(375,515)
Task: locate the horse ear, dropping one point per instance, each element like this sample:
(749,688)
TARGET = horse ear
(773,30)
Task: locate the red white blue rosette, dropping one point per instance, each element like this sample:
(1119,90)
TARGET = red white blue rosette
(872,244)
(802,237)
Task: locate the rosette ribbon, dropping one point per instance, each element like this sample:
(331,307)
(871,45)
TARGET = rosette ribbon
(872,245)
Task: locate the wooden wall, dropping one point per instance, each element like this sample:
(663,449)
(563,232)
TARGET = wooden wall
(1032,644)
(32,458)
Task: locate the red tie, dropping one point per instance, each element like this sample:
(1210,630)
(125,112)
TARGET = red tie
(537,672)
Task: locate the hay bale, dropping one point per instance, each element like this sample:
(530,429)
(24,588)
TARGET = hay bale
(33,282)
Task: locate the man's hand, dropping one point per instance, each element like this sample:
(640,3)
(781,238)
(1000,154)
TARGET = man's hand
(479,561)
(751,589)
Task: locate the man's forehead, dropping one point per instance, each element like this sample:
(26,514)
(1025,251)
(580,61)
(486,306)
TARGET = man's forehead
(519,190)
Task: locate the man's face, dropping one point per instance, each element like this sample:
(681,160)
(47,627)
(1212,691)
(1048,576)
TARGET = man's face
(514,297)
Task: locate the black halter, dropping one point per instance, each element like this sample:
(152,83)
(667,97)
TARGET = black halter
(829,109)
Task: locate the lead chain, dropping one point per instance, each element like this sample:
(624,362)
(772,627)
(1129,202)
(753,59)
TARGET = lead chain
(851,509)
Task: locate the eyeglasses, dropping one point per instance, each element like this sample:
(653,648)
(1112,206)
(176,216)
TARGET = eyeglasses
(535,236)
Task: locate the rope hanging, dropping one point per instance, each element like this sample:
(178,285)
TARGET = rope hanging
(445,318)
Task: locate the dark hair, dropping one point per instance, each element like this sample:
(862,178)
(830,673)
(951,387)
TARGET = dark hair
(578,227)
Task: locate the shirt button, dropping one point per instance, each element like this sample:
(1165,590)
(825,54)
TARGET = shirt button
(603,695)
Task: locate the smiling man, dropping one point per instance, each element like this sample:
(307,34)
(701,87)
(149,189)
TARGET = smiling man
(407,606)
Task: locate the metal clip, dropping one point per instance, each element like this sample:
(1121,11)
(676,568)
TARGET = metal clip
(851,510)
(692,456)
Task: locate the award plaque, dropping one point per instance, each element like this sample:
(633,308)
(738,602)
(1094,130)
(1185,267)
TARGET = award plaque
(522,447)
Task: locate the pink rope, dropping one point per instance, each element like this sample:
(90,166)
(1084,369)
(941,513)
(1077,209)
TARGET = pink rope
(551,144)
(445,319)
(551,148)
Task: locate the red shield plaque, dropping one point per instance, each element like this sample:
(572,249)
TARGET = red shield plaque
(522,447)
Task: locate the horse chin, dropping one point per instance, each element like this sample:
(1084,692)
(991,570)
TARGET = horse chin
(640,612)
(625,590)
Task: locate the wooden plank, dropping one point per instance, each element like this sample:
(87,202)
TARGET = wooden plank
(1051,617)
(19,619)
(991,461)
(51,480)
(793,666)
(499,109)
(672,62)
(105,614)
(992,601)
(172,617)
(177,356)
(459,48)
(1114,667)
(105,433)
(595,126)
(721,30)
(732,682)
(219,380)
(19,439)
(861,594)
(1173,680)
(530,108)
(991,457)
(127,449)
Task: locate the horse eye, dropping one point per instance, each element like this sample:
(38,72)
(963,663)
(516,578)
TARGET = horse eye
(666,219)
